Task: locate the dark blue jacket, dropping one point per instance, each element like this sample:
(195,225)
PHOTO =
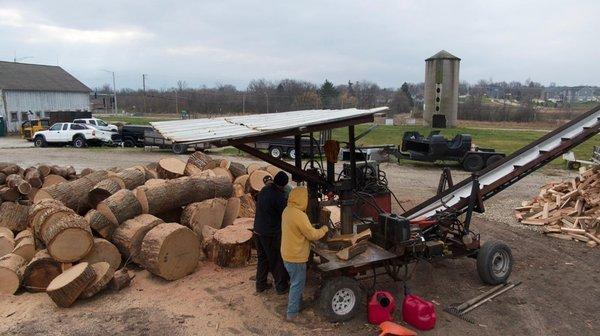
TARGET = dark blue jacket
(270,203)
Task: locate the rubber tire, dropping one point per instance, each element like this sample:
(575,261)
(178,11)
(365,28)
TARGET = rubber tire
(128,143)
(275,152)
(574,165)
(473,163)
(484,262)
(79,142)
(291,153)
(329,289)
(493,159)
(179,149)
(40,141)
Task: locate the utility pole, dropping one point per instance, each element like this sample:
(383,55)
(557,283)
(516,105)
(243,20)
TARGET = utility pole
(244,103)
(266,93)
(176,102)
(115,92)
(144,86)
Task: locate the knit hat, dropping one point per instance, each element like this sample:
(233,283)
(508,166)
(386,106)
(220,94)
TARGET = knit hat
(281,179)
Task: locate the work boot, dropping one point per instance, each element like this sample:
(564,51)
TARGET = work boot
(283,291)
(297,319)
(260,289)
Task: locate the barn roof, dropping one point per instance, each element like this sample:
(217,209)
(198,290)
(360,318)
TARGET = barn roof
(36,77)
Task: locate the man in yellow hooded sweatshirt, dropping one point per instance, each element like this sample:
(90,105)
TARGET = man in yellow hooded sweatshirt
(296,234)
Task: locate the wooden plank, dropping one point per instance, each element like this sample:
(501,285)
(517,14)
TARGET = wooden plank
(559,236)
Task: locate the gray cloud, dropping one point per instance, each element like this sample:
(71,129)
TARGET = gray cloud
(208,42)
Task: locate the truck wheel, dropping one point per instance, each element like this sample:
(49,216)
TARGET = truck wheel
(340,299)
(40,141)
(574,165)
(79,142)
(493,159)
(494,262)
(275,152)
(179,149)
(291,153)
(128,143)
(473,162)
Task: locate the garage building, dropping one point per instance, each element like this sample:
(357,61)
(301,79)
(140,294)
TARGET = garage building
(41,89)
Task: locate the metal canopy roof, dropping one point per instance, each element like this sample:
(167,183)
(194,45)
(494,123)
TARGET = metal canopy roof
(247,126)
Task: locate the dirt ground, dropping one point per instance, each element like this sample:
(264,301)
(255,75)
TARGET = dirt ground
(559,295)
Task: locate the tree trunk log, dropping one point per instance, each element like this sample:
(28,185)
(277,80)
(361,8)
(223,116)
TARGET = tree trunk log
(73,194)
(40,271)
(52,179)
(13,216)
(67,238)
(10,273)
(8,194)
(237,169)
(128,236)
(256,180)
(33,177)
(180,192)
(104,273)
(44,170)
(247,206)
(272,170)
(231,246)
(42,217)
(16,182)
(220,171)
(120,207)
(232,210)
(25,247)
(11,169)
(206,213)
(67,287)
(104,251)
(196,163)
(103,190)
(170,251)
(170,168)
(100,224)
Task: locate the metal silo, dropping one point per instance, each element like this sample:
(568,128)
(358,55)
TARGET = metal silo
(441,90)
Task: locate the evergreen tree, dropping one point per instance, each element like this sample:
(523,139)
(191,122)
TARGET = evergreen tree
(328,94)
(406,92)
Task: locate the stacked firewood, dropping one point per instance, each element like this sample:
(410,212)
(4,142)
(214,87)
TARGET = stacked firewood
(73,235)
(568,209)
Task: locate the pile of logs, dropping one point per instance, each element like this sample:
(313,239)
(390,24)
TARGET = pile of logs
(73,235)
(568,210)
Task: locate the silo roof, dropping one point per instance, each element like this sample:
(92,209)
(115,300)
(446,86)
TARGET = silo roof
(443,54)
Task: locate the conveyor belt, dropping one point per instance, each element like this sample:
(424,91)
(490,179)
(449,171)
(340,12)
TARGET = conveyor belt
(521,163)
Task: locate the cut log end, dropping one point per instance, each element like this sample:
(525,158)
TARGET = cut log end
(67,287)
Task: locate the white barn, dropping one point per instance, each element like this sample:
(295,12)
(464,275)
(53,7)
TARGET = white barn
(39,89)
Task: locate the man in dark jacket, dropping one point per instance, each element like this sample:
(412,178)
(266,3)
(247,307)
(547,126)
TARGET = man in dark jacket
(270,202)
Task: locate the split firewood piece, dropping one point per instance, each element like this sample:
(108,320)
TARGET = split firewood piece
(10,273)
(252,167)
(196,163)
(121,279)
(352,251)
(8,194)
(104,251)
(68,237)
(256,180)
(272,170)
(247,206)
(13,216)
(343,241)
(120,207)
(69,285)
(25,245)
(52,179)
(170,168)
(245,222)
(231,246)
(232,210)
(128,236)
(104,273)
(40,271)
(206,241)
(222,172)
(237,169)
(33,177)
(170,251)
(181,192)
(73,194)
(100,224)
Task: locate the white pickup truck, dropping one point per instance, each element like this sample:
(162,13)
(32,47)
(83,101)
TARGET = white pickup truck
(98,124)
(75,134)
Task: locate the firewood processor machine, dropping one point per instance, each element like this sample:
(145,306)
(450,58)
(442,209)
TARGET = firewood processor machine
(436,228)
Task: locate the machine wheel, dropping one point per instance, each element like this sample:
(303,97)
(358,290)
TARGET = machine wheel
(291,153)
(340,299)
(179,149)
(494,262)
(276,152)
(493,159)
(473,162)
(574,165)
(40,141)
(79,142)
(128,143)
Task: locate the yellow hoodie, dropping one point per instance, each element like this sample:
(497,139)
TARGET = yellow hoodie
(296,230)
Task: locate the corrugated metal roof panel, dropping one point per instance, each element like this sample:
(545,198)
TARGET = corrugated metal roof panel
(238,127)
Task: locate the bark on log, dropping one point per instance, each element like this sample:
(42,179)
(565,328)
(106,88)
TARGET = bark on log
(103,190)
(121,279)
(131,177)
(170,251)
(2,178)
(237,169)
(180,192)
(256,180)
(120,207)
(52,179)
(7,243)
(10,273)
(42,216)
(11,169)
(67,238)
(13,216)
(86,171)
(40,271)
(16,182)
(170,168)
(44,170)
(232,246)
(196,163)
(247,206)
(206,213)
(104,251)
(8,194)
(128,236)
(25,248)
(33,177)
(222,172)
(104,273)
(73,194)
(232,210)
(67,287)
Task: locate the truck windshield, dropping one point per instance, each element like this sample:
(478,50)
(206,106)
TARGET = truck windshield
(101,123)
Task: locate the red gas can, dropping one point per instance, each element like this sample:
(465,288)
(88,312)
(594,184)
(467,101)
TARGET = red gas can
(381,307)
(418,312)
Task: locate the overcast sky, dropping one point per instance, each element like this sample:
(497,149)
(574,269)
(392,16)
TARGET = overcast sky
(210,42)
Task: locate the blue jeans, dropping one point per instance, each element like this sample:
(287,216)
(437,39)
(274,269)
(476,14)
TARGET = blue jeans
(297,272)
